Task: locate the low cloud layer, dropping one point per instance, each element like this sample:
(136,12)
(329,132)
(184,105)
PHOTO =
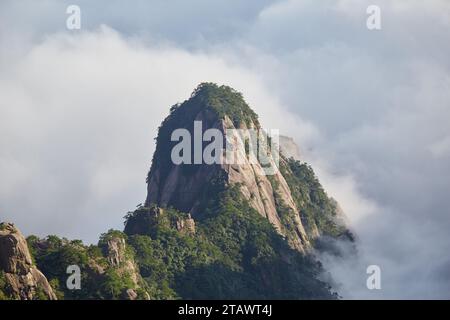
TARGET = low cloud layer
(370,109)
(79,114)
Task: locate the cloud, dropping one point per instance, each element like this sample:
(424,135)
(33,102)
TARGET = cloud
(79,114)
(380,102)
(369,109)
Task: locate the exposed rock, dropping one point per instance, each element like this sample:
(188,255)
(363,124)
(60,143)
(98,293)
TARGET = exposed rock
(262,192)
(186,186)
(182,189)
(186,225)
(95,268)
(177,187)
(131,294)
(145,222)
(15,256)
(24,280)
(118,258)
(124,264)
(116,251)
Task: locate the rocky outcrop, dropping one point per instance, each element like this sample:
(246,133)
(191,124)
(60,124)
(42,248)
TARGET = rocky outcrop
(186,225)
(147,220)
(116,251)
(121,261)
(266,193)
(131,294)
(183,186)
(281,195)
(23,279)
(143,221)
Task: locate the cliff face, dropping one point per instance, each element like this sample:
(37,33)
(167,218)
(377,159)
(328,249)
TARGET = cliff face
(185,186)
(147,220)
(124,265)
(223,230)
(23,279)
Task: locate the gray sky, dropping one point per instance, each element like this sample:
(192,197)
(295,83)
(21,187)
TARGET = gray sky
(370,110)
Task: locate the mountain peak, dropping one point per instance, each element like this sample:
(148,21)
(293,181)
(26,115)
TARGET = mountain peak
(208,229)
(222,100)
(284,197)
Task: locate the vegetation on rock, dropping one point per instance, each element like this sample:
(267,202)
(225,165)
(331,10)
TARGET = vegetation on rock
(236,254)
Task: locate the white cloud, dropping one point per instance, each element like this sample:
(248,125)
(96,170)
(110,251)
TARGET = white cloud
(79,113)
(369,109)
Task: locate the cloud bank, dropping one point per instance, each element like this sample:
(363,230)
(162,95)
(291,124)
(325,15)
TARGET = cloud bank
(370,110)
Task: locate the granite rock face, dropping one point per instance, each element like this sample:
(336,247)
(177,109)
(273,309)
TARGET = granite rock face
(186,225)
(183,186)
(123,263)
(24,281)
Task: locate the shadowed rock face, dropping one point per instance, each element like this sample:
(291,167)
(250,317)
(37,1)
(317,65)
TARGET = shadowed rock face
(181,186)
(147,220)
(23,279)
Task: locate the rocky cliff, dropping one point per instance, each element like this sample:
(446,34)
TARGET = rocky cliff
(146,220)
(185,186)
(121,262)
(240,229)
(22,278)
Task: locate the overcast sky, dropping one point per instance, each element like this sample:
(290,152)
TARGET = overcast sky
(370,110)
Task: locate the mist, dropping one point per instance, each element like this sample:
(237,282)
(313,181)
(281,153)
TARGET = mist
(369,109)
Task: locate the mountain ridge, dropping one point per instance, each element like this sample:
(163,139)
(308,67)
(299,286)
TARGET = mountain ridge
(172,185)
(207,231)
